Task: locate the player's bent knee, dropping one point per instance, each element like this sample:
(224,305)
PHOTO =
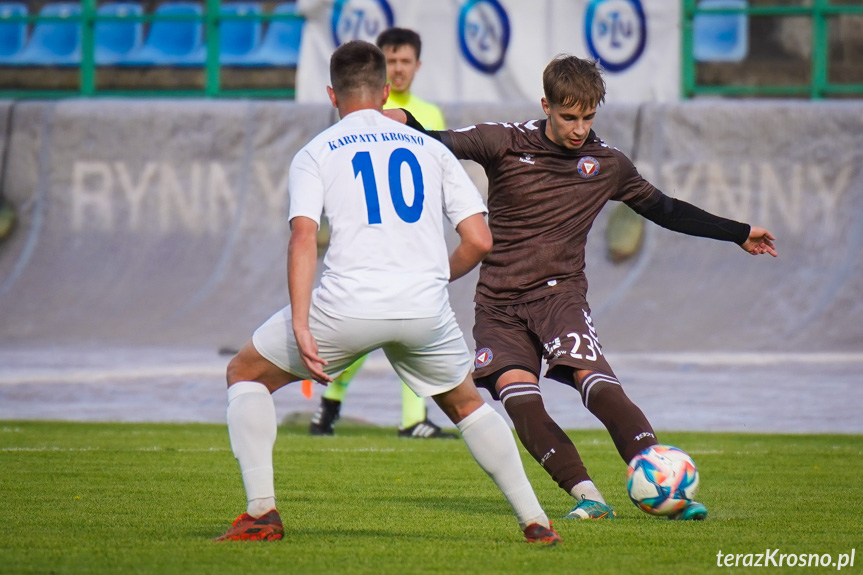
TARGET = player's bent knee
(590,383)
(250,365)
(460,401)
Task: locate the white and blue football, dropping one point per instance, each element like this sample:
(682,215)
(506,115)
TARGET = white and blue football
(662,480)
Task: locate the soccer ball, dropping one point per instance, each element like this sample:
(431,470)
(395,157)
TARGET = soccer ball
(661,480)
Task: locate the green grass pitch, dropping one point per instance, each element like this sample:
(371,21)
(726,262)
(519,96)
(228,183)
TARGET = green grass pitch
(149,498)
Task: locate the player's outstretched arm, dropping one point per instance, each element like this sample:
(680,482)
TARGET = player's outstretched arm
(760,241)
(474,246)
(403,116)
(302,259)
(683,217)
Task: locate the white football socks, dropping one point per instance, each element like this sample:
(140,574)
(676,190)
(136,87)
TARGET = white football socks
(252,428)
(586,490)
(490,441)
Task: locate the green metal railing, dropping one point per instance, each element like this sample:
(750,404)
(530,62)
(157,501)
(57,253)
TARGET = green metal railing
(819,12)
(88,70)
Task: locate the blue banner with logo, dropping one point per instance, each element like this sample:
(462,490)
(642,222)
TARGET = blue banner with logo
(496,50)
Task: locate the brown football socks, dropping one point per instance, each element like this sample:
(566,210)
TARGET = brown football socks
(541,436)
(629,429)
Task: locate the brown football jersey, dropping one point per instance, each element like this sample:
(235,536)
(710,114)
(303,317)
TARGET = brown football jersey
(542,201)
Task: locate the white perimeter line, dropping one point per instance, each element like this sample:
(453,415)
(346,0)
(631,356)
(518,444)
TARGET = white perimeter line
(113,375)
(740,359)
(101,375)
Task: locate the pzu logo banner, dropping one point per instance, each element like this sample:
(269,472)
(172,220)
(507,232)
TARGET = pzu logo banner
(360,20)
(483,34)
(616,32)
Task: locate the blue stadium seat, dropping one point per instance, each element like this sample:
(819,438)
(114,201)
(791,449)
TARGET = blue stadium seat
(281,43)
(172,42)
(13,35)
(55,43)
(720,37)
(116,39)
(239,38)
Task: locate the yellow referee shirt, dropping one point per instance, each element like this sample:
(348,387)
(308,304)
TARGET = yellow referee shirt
(426,113)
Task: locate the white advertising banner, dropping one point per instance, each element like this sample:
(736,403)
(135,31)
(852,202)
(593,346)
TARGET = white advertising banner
(496,50)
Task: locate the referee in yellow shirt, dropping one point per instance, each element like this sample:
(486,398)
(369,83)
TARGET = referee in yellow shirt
(402,49)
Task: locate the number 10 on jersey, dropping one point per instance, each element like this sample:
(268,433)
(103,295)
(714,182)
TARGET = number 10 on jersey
(362,163)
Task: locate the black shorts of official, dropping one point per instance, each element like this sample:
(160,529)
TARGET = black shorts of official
(557,328)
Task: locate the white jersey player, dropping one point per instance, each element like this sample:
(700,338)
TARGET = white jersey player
(385,189)
(381,186)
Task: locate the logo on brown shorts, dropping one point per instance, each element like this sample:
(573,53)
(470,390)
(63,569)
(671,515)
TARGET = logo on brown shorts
(483,358)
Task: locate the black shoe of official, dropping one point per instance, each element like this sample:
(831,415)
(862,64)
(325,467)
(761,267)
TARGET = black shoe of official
(325,417)
(426,430)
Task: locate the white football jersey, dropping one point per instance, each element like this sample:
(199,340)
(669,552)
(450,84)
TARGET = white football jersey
(385,189)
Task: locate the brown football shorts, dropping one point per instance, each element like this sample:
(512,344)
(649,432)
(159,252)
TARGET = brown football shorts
(557,328)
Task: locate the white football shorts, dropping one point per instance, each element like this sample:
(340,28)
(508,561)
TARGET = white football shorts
(429,354)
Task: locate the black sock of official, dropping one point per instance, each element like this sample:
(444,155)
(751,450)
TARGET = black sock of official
(541,436)
(626,423)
